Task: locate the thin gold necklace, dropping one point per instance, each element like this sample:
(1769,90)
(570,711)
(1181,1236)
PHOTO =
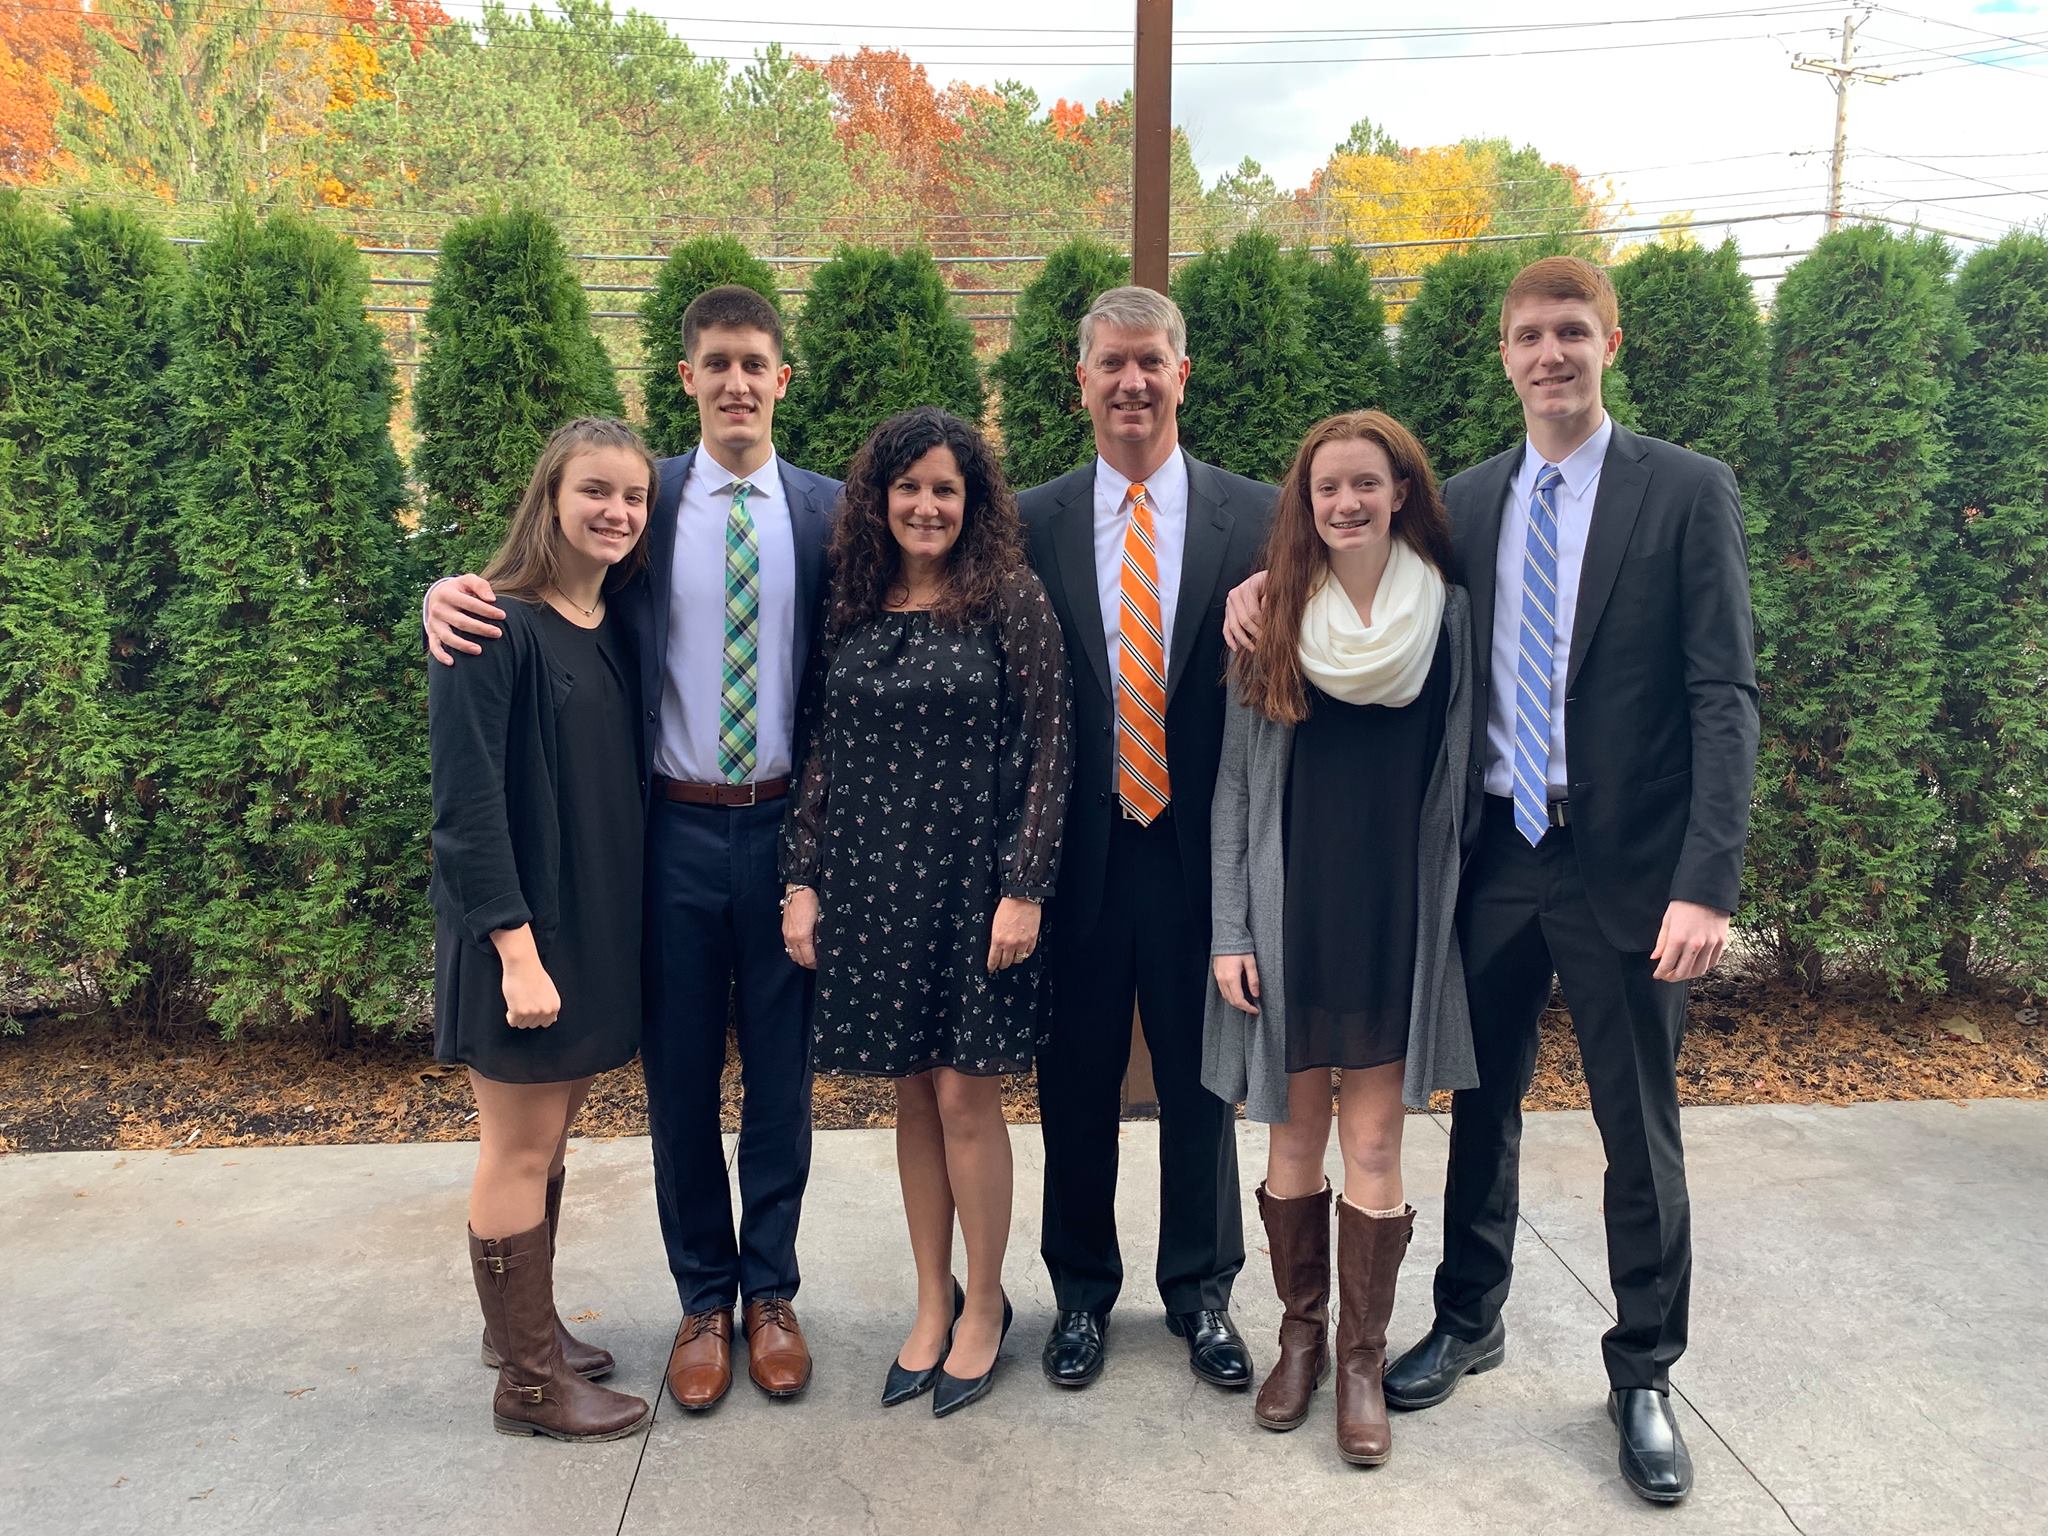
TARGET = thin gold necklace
(588,613)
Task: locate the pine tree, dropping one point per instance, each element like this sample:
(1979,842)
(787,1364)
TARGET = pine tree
(1992,880)
(62,923)
(1347,323)
(294,835)
(1842,852)
(708,262)
(878,335)
(510,357)
(1046,430)
(1258,376)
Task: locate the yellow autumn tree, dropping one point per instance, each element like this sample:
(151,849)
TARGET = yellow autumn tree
(1396,195)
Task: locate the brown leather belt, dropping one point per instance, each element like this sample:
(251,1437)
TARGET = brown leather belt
(728,795)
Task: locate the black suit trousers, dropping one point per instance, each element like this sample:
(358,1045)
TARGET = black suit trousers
(1148,946)
(1524,917)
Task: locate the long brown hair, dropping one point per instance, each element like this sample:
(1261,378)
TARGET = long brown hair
(1269,674)
(866,561)
(528,562)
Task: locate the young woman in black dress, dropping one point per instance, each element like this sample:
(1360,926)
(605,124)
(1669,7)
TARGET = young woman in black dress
(1335,834)
(537,859)
(922,838)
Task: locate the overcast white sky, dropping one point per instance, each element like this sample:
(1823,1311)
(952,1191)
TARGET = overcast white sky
(1720,124)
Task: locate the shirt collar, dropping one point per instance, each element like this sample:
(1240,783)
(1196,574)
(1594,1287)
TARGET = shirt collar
(765,482)
(1581,467)
(1162,481)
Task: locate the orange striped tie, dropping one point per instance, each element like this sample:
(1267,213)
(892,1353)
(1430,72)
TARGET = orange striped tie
(1141,779)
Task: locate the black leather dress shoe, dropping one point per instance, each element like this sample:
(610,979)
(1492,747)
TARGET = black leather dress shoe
(1075,1347)
(1431,1371)
(952,1393)
(1653,1454)
(1216,1353)
(903,1383)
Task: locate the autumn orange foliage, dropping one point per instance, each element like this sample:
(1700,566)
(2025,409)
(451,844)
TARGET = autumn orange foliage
(43,47)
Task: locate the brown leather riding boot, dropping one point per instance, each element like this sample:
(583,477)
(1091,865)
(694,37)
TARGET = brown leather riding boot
(537,1392)
(700,1361)
(1369,1254)
(1298,1238)
(586,1360)
(778,1360)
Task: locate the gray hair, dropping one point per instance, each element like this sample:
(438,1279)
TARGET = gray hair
(1137,309)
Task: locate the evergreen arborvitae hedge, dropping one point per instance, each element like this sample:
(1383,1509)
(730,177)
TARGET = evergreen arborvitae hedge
(1045,427)
(1698,359)
(510,357)
(1992,881)
(1347,324)
(1842,853)
(294,733)
(711,261)
(1257,381)
(62,921)
(879,334)
(1448,380)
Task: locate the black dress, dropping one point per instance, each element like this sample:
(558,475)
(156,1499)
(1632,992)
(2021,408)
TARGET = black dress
(1355,788)
(935,778)
(593,956)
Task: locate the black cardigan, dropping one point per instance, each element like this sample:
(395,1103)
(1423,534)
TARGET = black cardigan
(491,732)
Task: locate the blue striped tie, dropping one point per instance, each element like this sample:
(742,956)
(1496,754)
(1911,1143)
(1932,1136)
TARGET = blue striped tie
(1537,645)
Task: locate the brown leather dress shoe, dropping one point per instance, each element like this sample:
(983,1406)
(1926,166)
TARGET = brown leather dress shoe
(778,1360)
(700,1365)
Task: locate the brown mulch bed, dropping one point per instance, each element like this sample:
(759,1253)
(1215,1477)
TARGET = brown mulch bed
(69,1083)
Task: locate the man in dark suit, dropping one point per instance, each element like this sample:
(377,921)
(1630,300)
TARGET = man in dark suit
(1136,550)
(722,621)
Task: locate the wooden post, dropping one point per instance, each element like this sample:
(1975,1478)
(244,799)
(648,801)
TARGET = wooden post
(1152,167)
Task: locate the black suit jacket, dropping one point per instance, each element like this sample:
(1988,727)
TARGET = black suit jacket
(1228,516)
(1660,703)
(645,599)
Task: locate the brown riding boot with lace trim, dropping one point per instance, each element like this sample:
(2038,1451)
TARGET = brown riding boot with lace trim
(586,1360)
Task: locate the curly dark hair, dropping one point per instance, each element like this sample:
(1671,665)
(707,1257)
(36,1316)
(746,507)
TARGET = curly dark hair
(866,562)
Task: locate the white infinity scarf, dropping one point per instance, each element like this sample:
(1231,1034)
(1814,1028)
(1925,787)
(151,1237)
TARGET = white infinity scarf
(1386,661)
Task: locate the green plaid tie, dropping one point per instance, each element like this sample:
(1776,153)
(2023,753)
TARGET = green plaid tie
(736,697)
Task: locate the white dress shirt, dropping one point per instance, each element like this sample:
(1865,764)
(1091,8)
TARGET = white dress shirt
(693,671)
(1581,472)
(1166,488)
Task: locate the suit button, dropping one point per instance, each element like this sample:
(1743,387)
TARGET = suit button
(650,715)
(1102,799)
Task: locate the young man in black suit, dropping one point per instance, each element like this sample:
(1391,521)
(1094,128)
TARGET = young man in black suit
(1142,542)
(1615,693)
(719,685)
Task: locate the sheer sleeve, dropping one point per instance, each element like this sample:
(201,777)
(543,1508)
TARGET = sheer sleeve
(803,825)
(1037,765)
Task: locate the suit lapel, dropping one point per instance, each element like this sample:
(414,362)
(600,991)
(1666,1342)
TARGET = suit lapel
(1201,563)
(1623,480)
(809,527)
(662,544)
(1479,539)
(1073,547)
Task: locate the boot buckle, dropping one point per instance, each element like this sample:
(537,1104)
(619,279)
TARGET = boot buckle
(532,1394)
(495,1263)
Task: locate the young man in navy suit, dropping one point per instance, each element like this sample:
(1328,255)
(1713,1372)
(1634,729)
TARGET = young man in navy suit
(732,524)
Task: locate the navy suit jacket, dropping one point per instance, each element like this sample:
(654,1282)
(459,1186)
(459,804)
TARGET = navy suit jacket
(644,601)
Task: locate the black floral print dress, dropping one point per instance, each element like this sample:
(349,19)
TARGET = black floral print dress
(936,763)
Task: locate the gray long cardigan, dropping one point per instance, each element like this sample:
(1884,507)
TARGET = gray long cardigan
(1244,1056)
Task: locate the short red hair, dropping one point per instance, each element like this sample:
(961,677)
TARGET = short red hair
(1564,277)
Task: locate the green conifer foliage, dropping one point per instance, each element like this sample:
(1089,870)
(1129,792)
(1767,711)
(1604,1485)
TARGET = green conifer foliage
(1842,852)
(1258,376)
(510,357)
(1046,430)
(1347,324)
(294,839)
(1992,881)
(1448,380)
(63,926)
(711,261)
(879,334)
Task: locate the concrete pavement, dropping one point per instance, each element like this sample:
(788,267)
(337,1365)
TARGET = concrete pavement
(284,1340)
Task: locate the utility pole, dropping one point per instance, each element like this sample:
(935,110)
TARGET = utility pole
(1839,73)
(1152,160)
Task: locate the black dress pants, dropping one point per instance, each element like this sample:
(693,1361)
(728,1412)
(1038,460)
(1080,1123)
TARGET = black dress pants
(715,934)
(1522,918)
(1146,946)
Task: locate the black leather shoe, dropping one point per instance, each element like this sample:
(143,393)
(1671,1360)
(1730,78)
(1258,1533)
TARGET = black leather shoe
(952,1394)
(1431,1371)
(903,1383)
(1216,1353)
(1653,1454)
(1075,1348)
